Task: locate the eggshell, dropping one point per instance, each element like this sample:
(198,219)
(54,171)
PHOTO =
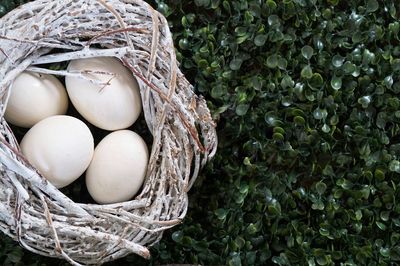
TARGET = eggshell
(110,107)
(60,147)
(118,168)
(34,97)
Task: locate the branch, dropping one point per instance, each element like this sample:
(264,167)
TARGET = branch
(111,32)
(76,74)
(187,125)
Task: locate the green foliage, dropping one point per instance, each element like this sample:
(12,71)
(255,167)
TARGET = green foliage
(305,93)
(7,5)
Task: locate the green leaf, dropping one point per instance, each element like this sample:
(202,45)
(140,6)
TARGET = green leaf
(240,242)
(242,39)
(349,67)
(364,101)
(322,260)
(273,20)
(2,10)
(271,4)
(379,174)
(236,63)
(282,63)
(320,114)
(279,130)
(218,92)
(177,236)
(358,214)
(372,6)
(242,109)
(306,72)
(221,213)
(318,205)
(385,215)
(287,82)
(260,39)
(202,2)
(394,28)
(274,208)
(316,81)
(215,4)
(336,83)
(333,2)
(307,52)
(394,166)
(388,81)
(385,252)
(381,226)
(337,60)
(395,253)
(202,63)
(252,229)
(234,261)
(183,44)
(321,187)
(299,120)
(15,255)
(272,61)
(278,137)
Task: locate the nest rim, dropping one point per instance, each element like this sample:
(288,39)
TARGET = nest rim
(40,217)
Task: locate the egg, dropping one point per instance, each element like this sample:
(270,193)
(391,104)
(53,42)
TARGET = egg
(60,148)
(34,97)
(112,105)
(118,167)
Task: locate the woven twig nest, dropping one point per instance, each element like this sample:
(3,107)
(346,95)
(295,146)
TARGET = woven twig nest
(35,213)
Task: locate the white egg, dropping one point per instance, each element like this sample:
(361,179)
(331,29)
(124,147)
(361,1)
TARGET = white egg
(118,168)
(111,107)
(60,148)
(34,97)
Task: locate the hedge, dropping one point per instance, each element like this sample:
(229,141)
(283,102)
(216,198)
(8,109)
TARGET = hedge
(305,93)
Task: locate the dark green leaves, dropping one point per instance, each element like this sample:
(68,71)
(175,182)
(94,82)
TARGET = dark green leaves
(316,81)
(306,72)
(274,207)
(273,20)
(242,109)
(260,39)
(307,52)
(272,61)
(372,5)
(320,187)
(337,60)
(305,94)
(2,10)
(236,63)
(336,82)
(202,2)
(177,236)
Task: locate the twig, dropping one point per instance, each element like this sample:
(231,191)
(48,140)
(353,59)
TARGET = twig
(120,20)
(5,54)
(192,130)
(75,74)
(49,220)
(18,40)
(85,53)
(111,32)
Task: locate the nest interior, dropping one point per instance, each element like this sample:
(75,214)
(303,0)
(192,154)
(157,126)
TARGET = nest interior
(35,213)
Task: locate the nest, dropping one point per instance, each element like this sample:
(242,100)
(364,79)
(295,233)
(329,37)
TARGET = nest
(35,213)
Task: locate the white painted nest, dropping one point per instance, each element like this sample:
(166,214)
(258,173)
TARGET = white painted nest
(34,212)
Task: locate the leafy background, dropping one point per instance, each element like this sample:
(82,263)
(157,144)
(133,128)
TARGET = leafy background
(305,93)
